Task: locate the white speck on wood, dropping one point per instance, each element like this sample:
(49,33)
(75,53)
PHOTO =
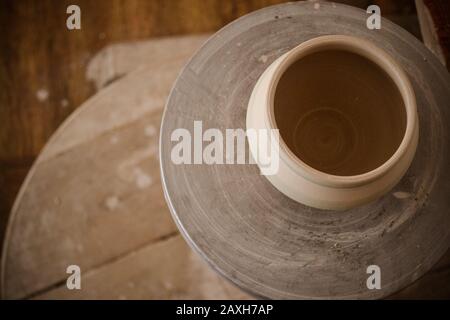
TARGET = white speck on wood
(56,201)
(112,203)
(114,139)
(64,103)
(168,285)
(150,131)
(42,94)
(317,6)
(143,180)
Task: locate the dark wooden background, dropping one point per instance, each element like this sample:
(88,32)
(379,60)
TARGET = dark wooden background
(37,52)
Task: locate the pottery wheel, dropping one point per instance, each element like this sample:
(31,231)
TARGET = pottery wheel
(93,198)
(275,247)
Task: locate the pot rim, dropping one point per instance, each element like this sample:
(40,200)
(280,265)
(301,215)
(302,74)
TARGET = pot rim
(380,58)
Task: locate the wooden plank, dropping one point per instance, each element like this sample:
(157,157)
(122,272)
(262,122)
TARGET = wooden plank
(167,270)
(96,200)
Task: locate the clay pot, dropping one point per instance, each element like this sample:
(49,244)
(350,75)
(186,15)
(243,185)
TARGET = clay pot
(347,120)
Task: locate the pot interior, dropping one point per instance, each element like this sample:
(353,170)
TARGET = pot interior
(339,112)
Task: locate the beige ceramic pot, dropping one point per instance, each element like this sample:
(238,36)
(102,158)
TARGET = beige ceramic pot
(347,121)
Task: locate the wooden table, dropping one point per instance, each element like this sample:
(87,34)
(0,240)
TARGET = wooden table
(94,199)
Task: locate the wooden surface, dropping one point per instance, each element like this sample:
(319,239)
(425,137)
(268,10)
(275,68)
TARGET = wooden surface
(267,243)
(93,198)
(429,31)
